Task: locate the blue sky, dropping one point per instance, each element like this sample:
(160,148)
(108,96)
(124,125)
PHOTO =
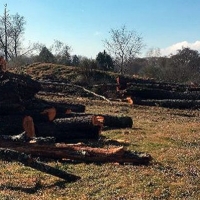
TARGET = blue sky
(84,24)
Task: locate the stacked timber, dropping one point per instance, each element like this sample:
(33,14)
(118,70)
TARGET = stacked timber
(14,91)
(154,93)
(21,111)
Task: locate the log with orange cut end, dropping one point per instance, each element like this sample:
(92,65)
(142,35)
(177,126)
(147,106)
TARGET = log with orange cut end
(29,127)
(130,100)
(50,112)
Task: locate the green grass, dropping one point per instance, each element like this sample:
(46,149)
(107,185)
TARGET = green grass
(170,136)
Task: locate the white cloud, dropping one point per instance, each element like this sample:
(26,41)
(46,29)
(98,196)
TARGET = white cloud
(173,48)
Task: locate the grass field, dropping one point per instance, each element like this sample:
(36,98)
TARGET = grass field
(171,137)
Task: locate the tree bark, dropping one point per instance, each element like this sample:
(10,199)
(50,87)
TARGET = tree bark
(27,160)
(52,130)
(80,152)
(154,93)
(63,107)
(118,121)
(17,87)
(70,128)
(58,85)
(108,120)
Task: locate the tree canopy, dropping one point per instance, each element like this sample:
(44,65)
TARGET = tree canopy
(123,45)
(104,61)
(46,56)
(11,31)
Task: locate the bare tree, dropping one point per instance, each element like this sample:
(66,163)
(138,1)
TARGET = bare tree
(17,29)
(11,30)
(4,24)
(123,45)
(61,52)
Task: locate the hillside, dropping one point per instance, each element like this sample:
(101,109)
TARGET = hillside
(74,75)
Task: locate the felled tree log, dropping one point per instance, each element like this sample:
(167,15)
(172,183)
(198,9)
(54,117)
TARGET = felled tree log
(152,93)
(14,90)
(118,121)
(62,86)
(172,103)
(17,87)
(15,123)
(145,89)
(27,160)
(61,135)
(109,120)
(46,115)
(41,105)
(80,152)
(87,127)
(151,83)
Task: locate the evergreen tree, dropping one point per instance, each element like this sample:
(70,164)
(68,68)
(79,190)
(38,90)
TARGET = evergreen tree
(104,61)
(46,56)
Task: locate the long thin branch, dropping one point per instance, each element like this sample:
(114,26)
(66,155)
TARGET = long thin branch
(78,86)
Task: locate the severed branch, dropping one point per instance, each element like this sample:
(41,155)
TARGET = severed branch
(77,86)
(95,94)
(79,152)
(27,160)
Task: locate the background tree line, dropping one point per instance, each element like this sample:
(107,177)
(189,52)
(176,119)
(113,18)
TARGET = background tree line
(121,54)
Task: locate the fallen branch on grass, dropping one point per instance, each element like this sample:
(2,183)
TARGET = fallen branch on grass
(79,152)
(27,160)
(77,86)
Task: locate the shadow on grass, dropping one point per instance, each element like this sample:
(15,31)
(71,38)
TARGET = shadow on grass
(32,190)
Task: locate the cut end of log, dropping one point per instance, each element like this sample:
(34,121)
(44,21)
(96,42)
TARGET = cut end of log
(98,120)
(50,112)
(130,100)
(28,126)
(68,111)
(117,151)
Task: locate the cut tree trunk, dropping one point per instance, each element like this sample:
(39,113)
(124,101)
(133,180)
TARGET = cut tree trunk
(87,127)
(82,127)
(118,121)
(27,160)
(40,105)
(108,120)
(152,93)
(17,87)
(172,103)
(46,115)
(63,107)
(52,130)
(16,123)
(62,86)
(80,152)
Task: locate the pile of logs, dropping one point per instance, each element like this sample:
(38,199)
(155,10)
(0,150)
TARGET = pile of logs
(42,128)
(139,90)
(40,118)
(154,93)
